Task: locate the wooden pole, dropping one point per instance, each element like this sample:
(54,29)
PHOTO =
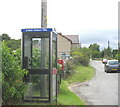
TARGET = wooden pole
(44,52)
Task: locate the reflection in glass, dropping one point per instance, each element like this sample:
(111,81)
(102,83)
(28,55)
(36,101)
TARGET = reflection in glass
(34,87)
(36,53)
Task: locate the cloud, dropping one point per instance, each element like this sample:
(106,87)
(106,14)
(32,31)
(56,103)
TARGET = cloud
(100,37)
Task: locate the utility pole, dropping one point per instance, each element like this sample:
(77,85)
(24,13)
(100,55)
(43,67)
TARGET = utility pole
(44,52)
(118,48)
(44,13)
(108,48)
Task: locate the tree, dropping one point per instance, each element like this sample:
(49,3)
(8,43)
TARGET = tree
(5,37)
(102,54)
(14,44)
(107,53)
(85,51)
(114,52)
(94,47)
(11,43)
(95,54)
(94,50)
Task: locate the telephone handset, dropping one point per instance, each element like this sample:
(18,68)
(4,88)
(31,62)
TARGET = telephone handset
(27,63)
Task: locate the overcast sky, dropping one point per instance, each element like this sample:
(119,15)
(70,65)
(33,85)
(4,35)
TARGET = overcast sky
(100,37)
(96,21)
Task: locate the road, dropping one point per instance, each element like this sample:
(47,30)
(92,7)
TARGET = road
(101,89)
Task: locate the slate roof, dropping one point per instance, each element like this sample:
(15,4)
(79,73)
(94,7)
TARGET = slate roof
(73,38)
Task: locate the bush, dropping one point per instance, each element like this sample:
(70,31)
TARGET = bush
(80,58)
(13,87)
(117,57)
(69,67)
(84,60)
(71,63)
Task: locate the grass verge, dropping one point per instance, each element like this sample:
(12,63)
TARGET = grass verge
(66,96)
(82,73)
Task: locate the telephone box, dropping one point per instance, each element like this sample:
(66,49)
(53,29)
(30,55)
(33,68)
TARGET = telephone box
(39,57)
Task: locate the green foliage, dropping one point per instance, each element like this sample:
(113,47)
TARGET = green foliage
(94,47)
(36,58)
(85,51)
(69,67)
(14,44)
(5,37)
(17,55)
(95,54)
(80,57)
(107,53)
(67,97)
(94,50)
(0,67)
(59,67)
(84,60)
(102,54)
(117,57)
(12,84)
(77,53)
(82,73)
(114,52)
(11,43)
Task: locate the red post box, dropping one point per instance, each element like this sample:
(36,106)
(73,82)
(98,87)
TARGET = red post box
(61,61)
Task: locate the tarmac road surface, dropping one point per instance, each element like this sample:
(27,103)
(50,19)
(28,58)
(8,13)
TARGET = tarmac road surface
(101,90)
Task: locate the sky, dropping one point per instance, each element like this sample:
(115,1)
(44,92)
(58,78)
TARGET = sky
(95,21)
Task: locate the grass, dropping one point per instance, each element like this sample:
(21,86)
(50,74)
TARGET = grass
(66,96)
(82,73)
